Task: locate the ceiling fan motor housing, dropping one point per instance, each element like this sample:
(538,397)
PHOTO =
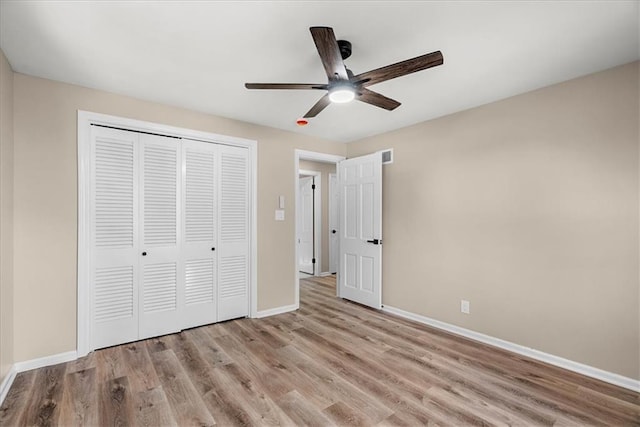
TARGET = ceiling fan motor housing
(345,48)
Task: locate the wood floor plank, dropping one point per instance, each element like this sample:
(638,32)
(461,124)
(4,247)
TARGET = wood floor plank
(345,415)
(302,412)
(139,368)
(398,393)
(44,403)
(210,384)
(109,364)
(332,362)
(370,407)
(13,407)
(186,404)
(152,409)
(82,363)
(80,399)
(256,359)
(210,350)
(116,406)
(263,409)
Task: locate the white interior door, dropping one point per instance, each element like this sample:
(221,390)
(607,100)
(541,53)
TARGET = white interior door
(360,230)
(114,272)
(305,225)
(334,213)
(161,285)
(199,232)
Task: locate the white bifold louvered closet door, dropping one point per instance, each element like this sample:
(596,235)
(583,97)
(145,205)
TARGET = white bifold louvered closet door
(169,235)
(216,206)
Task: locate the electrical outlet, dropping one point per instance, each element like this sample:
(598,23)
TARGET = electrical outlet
(465,306)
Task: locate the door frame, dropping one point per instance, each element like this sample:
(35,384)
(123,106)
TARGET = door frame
(314,157)
(85,120)
(331,191)
(317,216)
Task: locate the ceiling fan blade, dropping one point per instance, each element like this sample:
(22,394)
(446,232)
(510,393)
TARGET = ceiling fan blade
(285,86)
(400,69)
(374,98)
(319,106)
(329,53)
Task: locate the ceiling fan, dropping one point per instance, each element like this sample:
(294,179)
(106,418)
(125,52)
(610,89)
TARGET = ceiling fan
(343,85)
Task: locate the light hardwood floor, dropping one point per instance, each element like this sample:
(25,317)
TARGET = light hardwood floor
(331,362)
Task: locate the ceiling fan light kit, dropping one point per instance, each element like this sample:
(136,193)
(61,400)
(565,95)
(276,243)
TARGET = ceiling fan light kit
(343,86)
(342,94)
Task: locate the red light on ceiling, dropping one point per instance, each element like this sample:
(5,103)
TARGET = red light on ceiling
(302,122)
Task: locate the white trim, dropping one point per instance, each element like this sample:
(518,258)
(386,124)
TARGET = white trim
(41,362)
(324,274)
(277,310)
(7,382)
(85,120)
(253,250)
(589,371)
(28,365)
(316,157)
(334,249)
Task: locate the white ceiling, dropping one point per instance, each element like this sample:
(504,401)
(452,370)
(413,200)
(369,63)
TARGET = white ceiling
(198,55)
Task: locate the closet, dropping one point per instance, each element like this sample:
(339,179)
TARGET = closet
(169,234)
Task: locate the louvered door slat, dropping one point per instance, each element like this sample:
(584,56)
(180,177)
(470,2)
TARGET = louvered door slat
(160,287)
(161,283)
(114,237)
(199,195)
(114,201)
(233,265)
(160,195)
(234,201)
(199,281)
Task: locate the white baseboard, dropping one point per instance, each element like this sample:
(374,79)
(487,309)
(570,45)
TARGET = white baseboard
(277,310)
(590,371)
(41,362)
(324,274)
(6,383)
(28,365)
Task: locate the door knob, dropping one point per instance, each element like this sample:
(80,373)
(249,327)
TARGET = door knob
(144,254)
(333,231)
(213,249)
(374,241)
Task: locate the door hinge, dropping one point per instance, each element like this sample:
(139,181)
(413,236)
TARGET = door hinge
(313,260)
(313,186)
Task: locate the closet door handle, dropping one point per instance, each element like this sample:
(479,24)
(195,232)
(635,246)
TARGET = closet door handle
(213,249)
(144,254)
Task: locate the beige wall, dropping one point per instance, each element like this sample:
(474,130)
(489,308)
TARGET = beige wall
(6,216)
(527,207)
(325,169)
(46,203)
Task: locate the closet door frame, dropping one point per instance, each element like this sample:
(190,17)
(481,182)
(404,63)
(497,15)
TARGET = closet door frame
(87,119)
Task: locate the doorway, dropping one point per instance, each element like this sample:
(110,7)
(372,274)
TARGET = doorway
(320,166)
(309,221)
(359,182)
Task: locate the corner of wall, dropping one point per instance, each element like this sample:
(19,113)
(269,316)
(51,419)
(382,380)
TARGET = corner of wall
(6,219)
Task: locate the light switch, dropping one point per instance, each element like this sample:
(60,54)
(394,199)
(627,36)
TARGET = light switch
(279,215)
(281,202)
